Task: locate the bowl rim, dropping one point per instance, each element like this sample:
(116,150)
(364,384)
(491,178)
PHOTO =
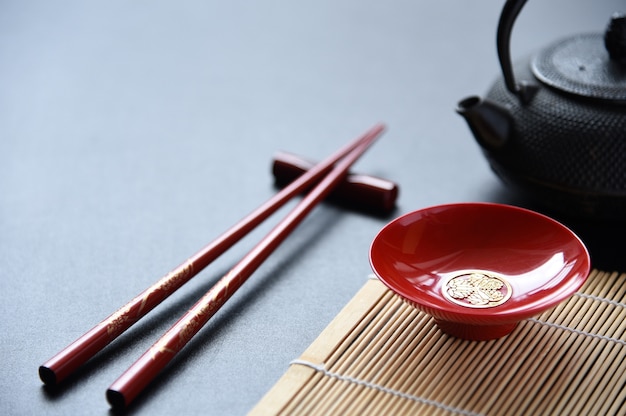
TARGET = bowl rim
(515,311)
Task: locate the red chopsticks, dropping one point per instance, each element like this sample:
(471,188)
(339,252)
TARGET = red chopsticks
(139,375)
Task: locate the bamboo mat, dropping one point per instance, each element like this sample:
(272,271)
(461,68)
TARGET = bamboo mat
(380,356)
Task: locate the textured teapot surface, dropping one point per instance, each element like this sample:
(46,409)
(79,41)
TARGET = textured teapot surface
(569,152)
(555,125)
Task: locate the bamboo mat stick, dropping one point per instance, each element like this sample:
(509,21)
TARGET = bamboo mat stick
(611,289)
(618,392)
(523,347)
(598,360)
(534,371)
(444,368)
(314,390)
(349,361)
(397,368)
(595,282)
(584,392)
(614,288)
(381,320)
(427,320)
(364,361)
(421,325)
(569,360)
(578,345)
(592,346)
(473,354)
(552,356)
(334,357)
(334,407)
(418,368)
(387,369)
(293,384)
(382,402)
(346,366)
(414,366)
(338,332)
(322,391)
(388,347)
(419,385)
(334,393)
(528,342)
(383,351)
(543,394)
(619,349)
(469,374)
(579,384)
(360,357)
(386,354)
(390,372)
(600,381)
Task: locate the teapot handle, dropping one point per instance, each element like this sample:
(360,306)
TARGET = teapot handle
(523,90)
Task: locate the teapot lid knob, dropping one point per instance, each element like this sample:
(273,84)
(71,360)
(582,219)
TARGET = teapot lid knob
(615,38)
(587,65)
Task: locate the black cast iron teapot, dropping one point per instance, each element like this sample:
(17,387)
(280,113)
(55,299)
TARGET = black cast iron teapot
(555,125)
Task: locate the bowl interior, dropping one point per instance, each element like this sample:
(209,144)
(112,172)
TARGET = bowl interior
(540,261)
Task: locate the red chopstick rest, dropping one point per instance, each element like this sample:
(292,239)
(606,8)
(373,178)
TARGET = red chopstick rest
(361,192)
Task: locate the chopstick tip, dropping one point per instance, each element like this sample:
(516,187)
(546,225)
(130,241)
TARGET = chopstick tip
(116,399)
(380,126)
(47,375)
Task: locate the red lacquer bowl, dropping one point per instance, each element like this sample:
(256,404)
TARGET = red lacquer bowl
(479,268)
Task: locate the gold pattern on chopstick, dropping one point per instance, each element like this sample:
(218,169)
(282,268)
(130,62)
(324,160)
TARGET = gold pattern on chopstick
(118,320)
(169,282)
(210,303)
(159,348)
(477,289)
(173,279)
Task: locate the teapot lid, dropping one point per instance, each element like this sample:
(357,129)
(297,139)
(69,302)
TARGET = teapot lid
(583,66)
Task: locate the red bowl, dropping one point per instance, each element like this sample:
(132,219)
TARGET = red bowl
(479,268)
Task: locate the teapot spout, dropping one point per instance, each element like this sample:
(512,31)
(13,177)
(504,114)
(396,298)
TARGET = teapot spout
(490,123)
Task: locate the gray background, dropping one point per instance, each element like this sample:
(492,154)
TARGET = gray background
(134,132)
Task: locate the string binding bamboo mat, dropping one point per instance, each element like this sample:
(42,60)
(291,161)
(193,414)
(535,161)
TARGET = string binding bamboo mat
(380,356)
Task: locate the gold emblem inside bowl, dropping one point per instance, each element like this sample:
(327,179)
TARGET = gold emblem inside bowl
(477,289)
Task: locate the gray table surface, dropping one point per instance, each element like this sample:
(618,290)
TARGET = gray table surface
(134,132)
